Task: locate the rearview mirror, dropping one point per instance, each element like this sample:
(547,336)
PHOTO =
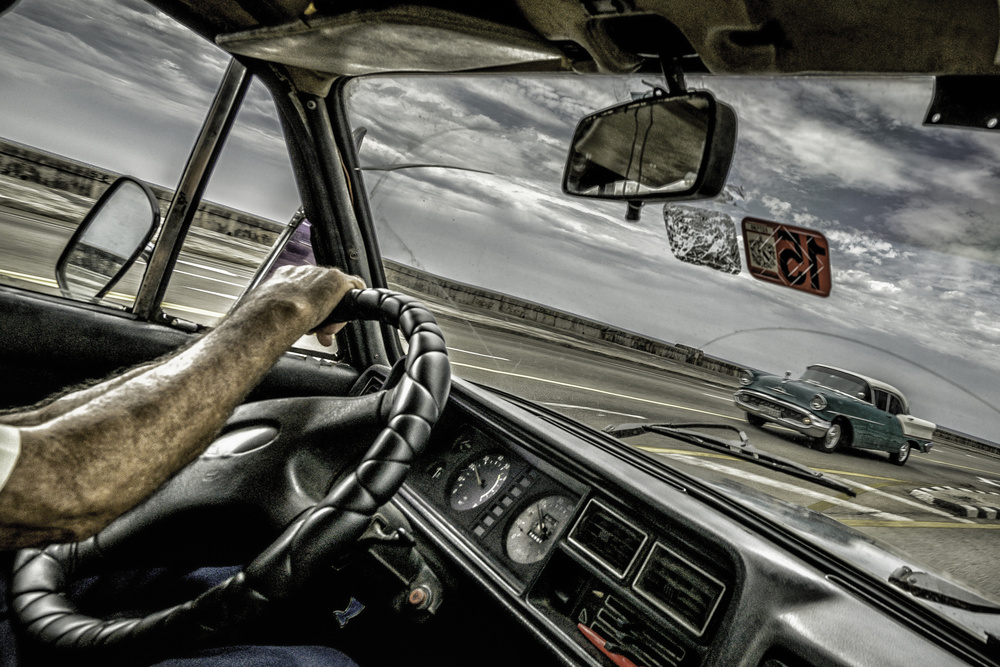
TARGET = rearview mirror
(110,238)
(656,148)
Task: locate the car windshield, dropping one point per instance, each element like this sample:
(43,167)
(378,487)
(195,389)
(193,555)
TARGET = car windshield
(838,380)
(563,301)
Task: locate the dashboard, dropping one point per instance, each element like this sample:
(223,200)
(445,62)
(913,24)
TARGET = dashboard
(610,559)
(626,586)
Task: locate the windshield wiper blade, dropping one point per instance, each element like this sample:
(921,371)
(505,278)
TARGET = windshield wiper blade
(935,589)
(741,448)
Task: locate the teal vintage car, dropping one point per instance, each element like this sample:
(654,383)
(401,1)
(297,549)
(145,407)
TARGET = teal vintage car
(836,409)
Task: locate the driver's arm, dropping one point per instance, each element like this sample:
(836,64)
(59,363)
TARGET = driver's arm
(100,453)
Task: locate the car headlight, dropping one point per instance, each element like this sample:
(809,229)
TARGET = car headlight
(818,402)
(746,377)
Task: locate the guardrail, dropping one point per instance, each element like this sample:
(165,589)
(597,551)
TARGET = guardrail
(946,436)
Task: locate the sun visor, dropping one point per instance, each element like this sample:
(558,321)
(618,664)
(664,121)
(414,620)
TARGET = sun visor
(402,39)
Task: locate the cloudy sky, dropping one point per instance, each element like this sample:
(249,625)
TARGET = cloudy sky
(122,86)
(910,211)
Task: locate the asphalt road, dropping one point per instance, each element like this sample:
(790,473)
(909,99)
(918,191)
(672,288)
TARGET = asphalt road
(599,390)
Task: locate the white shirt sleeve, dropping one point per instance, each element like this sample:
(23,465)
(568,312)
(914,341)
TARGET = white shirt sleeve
(10,449)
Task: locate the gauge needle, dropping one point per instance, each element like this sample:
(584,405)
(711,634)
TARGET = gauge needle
(479,479)
(541,518)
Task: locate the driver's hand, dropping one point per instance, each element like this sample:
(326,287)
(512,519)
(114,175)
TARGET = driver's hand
(317,290)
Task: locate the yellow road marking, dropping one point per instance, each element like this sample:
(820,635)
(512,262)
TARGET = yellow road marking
(667,450)
(192,309)
(875,523)
(596,391)
(170,306)
(48,282)
(861,474)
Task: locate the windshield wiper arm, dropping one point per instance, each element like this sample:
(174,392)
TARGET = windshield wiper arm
(936,589)
(738,448)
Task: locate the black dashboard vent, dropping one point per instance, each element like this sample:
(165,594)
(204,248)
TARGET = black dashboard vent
(680,588)
(608,538)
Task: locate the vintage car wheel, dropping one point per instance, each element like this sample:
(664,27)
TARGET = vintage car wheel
(902,456)
(836,437)
(295,475)
(755,420)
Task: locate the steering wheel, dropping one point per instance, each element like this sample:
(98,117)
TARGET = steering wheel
(278,463)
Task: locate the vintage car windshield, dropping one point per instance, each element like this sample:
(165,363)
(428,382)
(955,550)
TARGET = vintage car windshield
(562,301)
(834,379)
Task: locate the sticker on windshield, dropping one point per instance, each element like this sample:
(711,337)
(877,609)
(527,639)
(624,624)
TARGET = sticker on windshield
(786,255)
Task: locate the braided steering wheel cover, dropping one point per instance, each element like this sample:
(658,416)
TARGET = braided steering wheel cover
(308,545)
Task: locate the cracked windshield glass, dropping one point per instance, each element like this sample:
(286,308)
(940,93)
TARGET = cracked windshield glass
(714,311)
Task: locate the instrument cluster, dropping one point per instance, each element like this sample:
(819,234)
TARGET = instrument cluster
(500,500)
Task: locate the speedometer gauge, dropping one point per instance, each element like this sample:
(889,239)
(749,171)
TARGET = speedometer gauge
(529,537)
(479,481)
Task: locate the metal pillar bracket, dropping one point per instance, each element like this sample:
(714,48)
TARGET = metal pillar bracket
(965,101)
(184,205)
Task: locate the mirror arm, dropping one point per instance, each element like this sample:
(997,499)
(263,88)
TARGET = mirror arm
(673,74)
(633,211)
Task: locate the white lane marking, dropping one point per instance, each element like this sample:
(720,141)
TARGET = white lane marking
(808,493)
(478,354)
(583,407)
(596,391)
(923,507)
(214,280)
(209,268)
(226,296)
(727,399)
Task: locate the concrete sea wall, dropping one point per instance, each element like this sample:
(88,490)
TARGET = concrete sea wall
(79,184)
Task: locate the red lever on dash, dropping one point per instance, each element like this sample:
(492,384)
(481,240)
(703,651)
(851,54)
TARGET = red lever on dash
(599,642)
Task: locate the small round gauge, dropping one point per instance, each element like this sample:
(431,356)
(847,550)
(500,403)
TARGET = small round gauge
(479,481)
(528,539)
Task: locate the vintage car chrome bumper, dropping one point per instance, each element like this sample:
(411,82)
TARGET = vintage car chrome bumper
(781,412)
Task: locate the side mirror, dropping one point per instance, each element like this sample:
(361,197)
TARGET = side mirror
(112,235)
(653,149)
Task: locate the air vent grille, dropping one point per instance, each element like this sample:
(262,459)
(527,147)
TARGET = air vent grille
(679,587)
(618,623)
(609,538)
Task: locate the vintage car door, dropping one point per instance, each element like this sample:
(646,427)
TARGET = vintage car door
(884,431)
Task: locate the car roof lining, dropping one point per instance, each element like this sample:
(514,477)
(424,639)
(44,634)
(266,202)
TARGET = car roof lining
(730,37)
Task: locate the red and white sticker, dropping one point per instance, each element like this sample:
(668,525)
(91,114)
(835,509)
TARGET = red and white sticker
(787,255)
